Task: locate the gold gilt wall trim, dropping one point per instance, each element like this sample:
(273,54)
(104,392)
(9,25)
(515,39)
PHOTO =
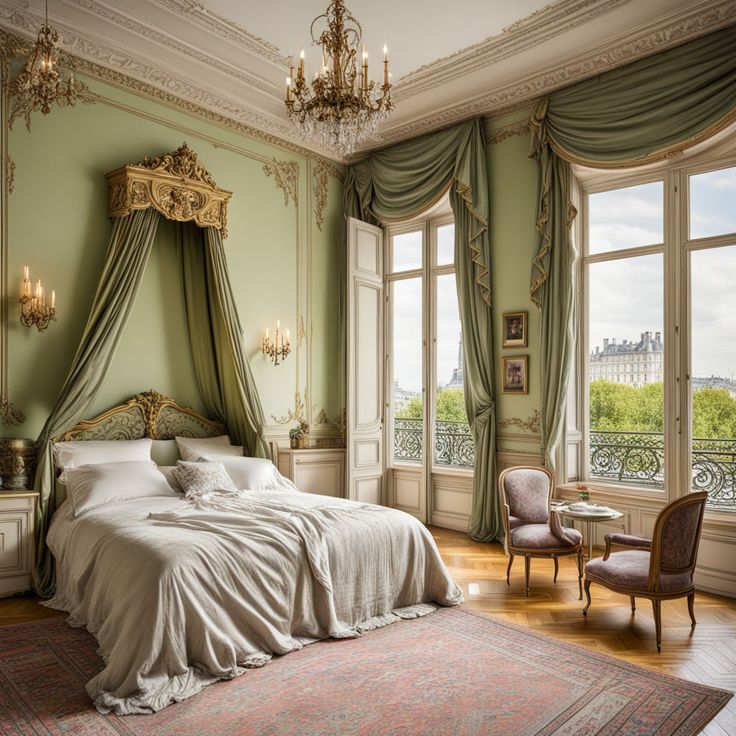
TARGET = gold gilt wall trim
(531,423)
(523,126)
(320,173)
(297,414)
(286,177)
(10,173)
(175,184)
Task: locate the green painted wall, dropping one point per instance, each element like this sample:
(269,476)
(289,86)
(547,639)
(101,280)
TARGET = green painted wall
(58,226)
(513,181)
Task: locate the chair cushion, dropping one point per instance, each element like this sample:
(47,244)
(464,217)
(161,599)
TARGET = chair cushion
(630,569)
(526,493)
(539,536)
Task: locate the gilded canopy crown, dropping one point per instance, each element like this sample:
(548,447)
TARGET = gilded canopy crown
(175,184)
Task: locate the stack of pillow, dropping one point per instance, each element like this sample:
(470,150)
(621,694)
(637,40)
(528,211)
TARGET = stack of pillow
(95,473)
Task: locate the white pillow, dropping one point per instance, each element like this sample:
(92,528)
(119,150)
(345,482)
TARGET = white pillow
(68,455)
(91,486)
(168,473)
(206,448)
(199,478)
(252,473)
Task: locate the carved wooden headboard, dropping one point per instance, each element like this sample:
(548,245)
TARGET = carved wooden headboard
(148,414)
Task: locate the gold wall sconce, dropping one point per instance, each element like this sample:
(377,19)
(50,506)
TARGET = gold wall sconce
(278,348)
(34,309)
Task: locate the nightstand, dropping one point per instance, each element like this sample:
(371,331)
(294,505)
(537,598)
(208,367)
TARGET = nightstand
(17,540)
(315,470)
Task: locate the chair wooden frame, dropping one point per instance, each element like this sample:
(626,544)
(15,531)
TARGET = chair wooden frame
(527,552)
(652,591)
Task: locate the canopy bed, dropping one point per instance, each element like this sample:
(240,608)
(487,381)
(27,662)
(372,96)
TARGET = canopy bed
(181,592)
(184,589)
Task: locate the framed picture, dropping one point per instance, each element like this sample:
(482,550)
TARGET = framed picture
(515,330)
(515,372)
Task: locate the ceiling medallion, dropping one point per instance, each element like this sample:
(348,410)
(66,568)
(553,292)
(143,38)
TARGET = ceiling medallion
(341,107)
(42,83)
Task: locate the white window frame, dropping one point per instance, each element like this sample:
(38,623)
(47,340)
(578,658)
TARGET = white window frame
(428,224)
(676,251)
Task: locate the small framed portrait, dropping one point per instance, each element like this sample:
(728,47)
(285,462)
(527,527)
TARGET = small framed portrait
(515,372)
(515,330)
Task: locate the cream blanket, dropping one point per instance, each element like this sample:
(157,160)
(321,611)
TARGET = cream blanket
(181,594)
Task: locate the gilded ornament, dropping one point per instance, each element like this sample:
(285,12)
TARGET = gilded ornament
(148,414)
(286,176)
(9,173)
(531,423)
(297,414)
(175,184)
(9,414)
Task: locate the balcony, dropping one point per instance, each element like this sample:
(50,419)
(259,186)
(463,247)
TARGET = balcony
(638,458)
(453,443)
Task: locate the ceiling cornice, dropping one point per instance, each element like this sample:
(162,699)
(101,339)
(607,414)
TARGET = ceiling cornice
(237,88)
(704,17)
(545,24)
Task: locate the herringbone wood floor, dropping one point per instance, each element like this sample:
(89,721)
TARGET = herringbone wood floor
(706,655)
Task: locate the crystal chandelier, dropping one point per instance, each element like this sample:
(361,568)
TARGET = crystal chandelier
(341,107)
(41,83)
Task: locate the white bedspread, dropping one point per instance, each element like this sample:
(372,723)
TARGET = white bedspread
(180,595)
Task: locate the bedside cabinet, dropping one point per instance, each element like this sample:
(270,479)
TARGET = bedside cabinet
(17,541)
(315,470)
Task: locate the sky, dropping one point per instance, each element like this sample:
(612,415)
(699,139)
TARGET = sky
(407,312)
(626,297)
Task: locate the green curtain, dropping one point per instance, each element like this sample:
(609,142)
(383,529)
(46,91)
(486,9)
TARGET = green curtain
(637,114)
(402,182)
(222,371)
(130,246)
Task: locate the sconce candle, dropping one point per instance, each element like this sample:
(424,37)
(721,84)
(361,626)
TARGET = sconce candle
(280,347)
(33,307)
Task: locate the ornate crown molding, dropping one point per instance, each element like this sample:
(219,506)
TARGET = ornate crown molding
(286,177)
(523,126)
(542,25)
(700,18)
(175,184)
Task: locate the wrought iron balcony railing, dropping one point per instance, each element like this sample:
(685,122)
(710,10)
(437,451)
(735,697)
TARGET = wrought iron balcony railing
(453,443)
(638,457)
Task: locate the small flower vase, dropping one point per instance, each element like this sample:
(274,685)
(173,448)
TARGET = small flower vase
(294,442)
(584,495)
(301,443)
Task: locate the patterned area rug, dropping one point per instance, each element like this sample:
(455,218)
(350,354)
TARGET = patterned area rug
(452,672)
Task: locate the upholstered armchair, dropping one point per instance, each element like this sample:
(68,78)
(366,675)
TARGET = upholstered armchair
(659,568)
(530,527)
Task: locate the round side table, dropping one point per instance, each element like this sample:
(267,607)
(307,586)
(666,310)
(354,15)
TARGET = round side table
(589,517)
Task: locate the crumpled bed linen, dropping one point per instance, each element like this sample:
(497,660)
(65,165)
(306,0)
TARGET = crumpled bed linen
(182,593)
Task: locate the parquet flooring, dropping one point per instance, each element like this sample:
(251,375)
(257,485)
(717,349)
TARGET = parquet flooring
(706,655)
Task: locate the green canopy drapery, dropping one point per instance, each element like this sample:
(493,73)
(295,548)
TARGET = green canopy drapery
(402,182)
(634,115)
(223,375)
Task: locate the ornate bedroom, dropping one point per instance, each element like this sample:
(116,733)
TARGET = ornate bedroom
(367,368)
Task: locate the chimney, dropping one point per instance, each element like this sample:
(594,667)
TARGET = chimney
(605,344)
(658,337)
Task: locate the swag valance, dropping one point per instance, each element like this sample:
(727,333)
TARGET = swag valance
(634,115)
(178,187)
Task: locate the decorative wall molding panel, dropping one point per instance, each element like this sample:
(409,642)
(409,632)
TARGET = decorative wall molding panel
(531,423)
(181,53)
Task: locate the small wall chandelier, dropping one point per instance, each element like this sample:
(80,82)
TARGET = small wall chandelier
(341,107)
(34,310)
(278,348)
(42,83)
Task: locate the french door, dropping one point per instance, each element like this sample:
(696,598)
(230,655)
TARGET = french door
(428,443)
